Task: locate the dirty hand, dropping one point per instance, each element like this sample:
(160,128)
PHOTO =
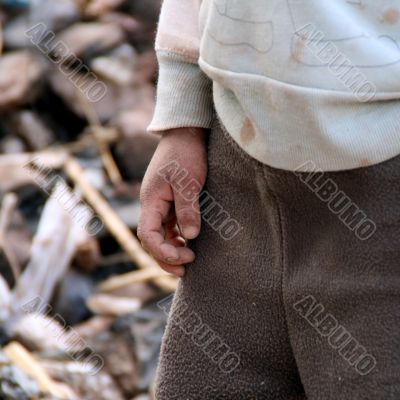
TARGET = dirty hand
(170,197)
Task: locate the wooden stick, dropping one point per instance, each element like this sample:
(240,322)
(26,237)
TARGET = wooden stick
(118,258)
(98,131)
(5,300)
(119,281)
(115,306)
(115,225)
(57,238)
(105,153)
(16,169)
(7,208)
(85,140)
(21,357)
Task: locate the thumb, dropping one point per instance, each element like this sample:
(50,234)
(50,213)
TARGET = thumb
(187,209)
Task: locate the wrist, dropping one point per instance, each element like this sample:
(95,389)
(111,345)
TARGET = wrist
(185,133)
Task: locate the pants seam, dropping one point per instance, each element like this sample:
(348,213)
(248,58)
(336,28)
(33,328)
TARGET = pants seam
(283,263)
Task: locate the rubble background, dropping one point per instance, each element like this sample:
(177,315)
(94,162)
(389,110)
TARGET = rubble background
(72,300)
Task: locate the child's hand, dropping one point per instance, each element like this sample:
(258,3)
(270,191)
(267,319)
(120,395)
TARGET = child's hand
(169,214)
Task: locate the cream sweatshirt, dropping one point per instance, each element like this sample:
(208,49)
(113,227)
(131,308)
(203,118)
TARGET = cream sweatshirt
(297,83)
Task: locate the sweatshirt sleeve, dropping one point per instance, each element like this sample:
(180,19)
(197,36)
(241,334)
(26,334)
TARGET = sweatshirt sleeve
(184,92)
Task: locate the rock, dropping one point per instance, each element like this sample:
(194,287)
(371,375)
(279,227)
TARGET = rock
(14,33)
(143,36)
(109,305)
(15,241)
(16,384)
(148,11)
(133,154)
(135,149)
(96,8)
(93,326)
(15,4)
(86,384)
(128,210)
(130,190)
(88,255)
(85,39)
(145,328)
(123,66)
(72,294)
(69,92)
(116,98)
(55,15)
(33,130)
(135,121)
(5,299)
(118,66)
(20,242)
(146,70)
(141,290)
(12,145)
(119,359)
(20,76)
(129,24)
(31,329)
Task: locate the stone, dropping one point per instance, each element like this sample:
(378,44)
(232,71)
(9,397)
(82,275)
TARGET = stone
(147,67)
(96,8)
(118,66)
(55,15)
(20,77)
(85,39)
(127,23)
(86,384)
(12,145)
(71,296)
(146,11)
(16,384)
(29,126)
(145,329)
(136,147)
(119,359)
(116,99)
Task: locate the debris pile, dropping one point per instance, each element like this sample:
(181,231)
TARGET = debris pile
(78,295)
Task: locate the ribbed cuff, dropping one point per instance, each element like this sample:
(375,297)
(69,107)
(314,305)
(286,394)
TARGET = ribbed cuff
(184,95)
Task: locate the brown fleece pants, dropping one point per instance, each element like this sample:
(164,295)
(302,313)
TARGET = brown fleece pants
(295,291)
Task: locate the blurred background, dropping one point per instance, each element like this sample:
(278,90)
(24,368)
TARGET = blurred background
(80,313)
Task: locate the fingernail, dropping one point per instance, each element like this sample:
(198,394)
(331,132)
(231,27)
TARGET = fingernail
(190,232)
(170,252)
(171,259)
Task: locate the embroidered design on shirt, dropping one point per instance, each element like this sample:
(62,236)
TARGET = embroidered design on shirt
(366,31)
(246,28)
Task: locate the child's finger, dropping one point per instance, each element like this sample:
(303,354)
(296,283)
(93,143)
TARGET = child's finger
(188,213)
(173,236)
(177,270)
(176,240)
(185,255)
(151,234)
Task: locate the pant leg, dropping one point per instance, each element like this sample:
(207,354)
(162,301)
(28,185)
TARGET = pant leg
(342,294)
(227,335)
